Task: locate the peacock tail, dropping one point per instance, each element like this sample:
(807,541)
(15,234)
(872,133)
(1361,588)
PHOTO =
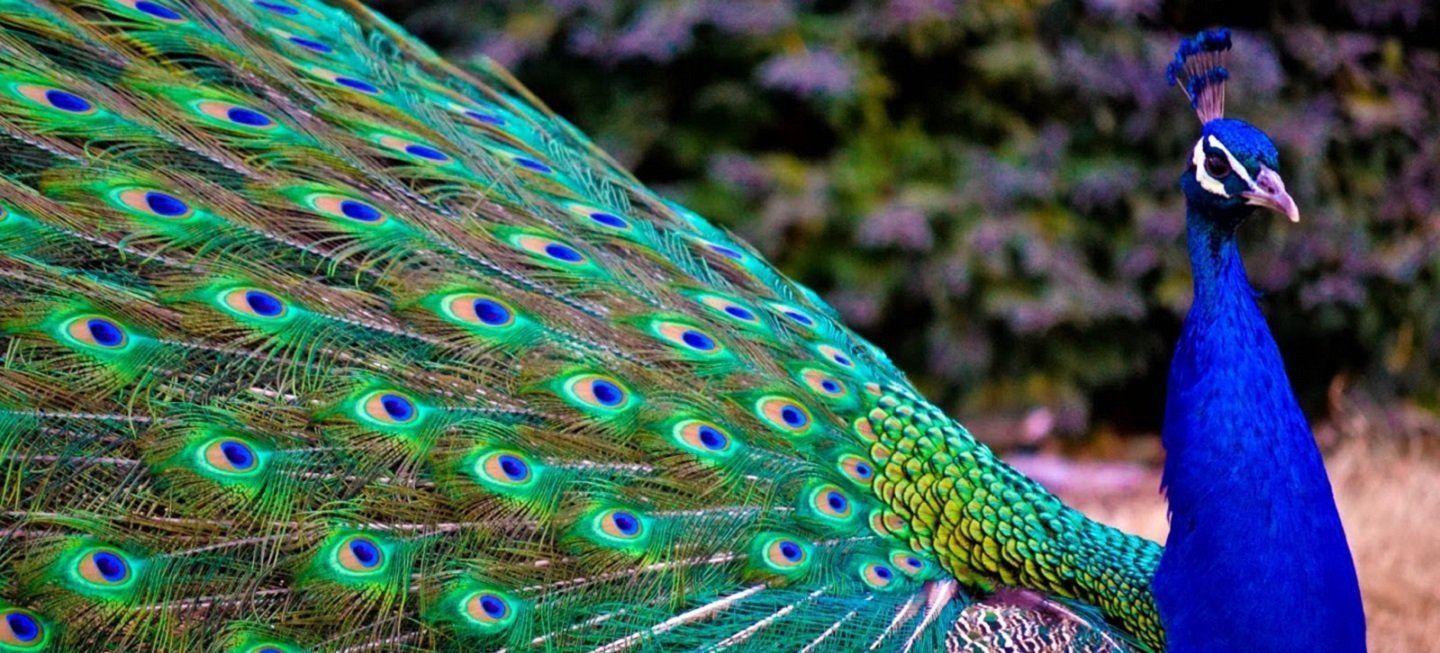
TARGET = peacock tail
(314,341)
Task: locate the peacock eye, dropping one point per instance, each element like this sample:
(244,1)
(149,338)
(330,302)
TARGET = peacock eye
(1217,166)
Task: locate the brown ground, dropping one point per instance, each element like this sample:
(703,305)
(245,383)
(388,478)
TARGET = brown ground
(1389,498)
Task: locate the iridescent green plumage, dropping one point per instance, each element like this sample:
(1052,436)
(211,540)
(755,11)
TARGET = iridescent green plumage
(313,341)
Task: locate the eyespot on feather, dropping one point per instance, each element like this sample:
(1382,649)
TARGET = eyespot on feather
(310,44)
(347,208)
(412,149)
(877,575)
(908,563)
(97,332)
(857,469)
(721,249)
(104,567)
(153,10)
(487,608)
(21,629)
(785,414)
(342,81)
(620,524)
(360,554)
(598,391)
(550,250)
(835,356)
(703,437)
(277,8)
(793,315)
(388,408)
(256,303)
(784,554)
(830,501)
(479,310)
(55,98)
(823,384)
(730,309)
(234,115)
(598,217)
(506,467)
(531,164)
(477,115)
(154,202)
(687,337)
(231,456)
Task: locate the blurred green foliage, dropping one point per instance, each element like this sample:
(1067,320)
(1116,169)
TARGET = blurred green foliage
(987,188)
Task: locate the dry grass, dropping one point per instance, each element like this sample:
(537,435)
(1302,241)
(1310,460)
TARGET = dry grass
(1389,498)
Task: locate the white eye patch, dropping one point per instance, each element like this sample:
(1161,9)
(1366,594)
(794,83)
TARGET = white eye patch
(1210,183)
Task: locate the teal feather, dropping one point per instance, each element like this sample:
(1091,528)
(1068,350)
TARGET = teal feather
(315,341)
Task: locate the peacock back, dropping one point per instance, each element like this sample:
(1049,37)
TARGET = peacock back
(314,341)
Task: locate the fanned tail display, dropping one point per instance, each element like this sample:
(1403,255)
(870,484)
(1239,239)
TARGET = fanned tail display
(312,341)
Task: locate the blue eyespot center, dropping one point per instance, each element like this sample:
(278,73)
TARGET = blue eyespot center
(726,251)
(365,552)
(426,152)
(913,561)
(104,332)
(359,211)
(493,606)
(863,470)
(740,313)
(362,86)
(514,468)
(311,45)
(609,219)
(491,312)
(791,551)
(800,317)
(607,393)
(23,626)
(792,416)
(843,360)
(110,566)
(625,522)
(484,117)
(398,408)
(165,204)
(250,117)
(532,164)
(157,11)
(239,455)
(830,386)
(278,8)
(562,253)
(711,438)
(66,101)
(697,340)
(263,303)
(883,572)
(837,501)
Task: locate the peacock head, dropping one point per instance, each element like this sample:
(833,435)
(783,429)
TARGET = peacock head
(1234,167)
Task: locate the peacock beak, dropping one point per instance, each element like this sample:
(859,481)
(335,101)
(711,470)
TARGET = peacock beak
(1269,191)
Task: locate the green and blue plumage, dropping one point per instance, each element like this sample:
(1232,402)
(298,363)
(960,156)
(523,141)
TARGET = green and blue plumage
(312,341)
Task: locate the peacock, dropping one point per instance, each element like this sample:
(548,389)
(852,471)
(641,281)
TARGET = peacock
(314,341)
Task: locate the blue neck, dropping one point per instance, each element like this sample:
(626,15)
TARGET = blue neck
(1256,559)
